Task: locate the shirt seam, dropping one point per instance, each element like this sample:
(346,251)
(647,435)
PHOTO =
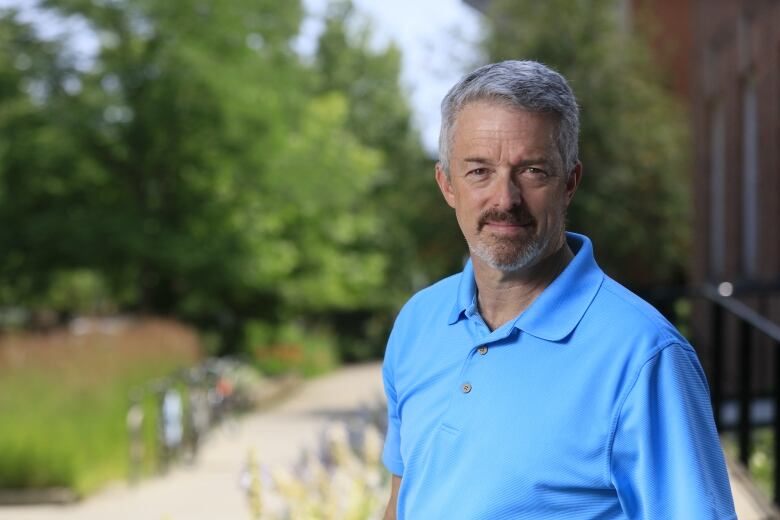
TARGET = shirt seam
(652,318)
(624,398)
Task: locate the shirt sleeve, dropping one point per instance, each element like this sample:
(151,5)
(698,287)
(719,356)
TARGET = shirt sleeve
(666,459)
(391,455)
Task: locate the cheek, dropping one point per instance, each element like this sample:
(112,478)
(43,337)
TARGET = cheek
(467,220)
(554,215)
(463,219)
(547,205)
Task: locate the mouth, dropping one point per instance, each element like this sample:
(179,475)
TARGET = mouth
(507,227)
(505,223)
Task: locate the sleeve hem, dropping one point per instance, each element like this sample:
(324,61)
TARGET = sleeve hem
(395,466)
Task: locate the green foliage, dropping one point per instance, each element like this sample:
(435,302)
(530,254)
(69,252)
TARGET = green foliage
(49,429)
(62,428)
(762,457)
(79,291)
(199,167)
(419,231)
(634,198)
(291,348)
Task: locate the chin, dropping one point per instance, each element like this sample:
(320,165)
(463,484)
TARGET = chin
(507,261)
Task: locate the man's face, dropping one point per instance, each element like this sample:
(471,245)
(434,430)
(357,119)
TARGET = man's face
(507,184)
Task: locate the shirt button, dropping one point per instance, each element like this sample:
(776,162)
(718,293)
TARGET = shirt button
(482,350)
(466,387)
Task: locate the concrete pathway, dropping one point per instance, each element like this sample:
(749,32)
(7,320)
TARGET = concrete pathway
(748,500)
(211,490)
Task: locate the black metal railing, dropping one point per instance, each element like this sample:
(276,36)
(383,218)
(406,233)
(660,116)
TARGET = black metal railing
(726,304)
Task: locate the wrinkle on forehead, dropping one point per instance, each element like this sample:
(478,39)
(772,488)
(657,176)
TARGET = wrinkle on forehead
(502,133)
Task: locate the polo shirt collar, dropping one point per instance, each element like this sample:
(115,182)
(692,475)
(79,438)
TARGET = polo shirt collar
(466,300)
(560,307)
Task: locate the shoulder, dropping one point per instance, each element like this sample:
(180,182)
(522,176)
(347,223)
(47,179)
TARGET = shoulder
(627,314)
(427,308)
(624,333)
(434,299)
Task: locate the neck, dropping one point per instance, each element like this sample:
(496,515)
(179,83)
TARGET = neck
(502,295)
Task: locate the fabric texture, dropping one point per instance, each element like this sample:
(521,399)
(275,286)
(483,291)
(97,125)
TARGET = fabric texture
(588,405)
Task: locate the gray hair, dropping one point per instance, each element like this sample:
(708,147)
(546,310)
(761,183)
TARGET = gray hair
(527,85)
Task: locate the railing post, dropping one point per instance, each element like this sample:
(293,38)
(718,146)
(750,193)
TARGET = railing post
(745,355)
(716,353)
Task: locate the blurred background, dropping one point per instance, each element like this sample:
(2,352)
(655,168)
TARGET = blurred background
(201,198)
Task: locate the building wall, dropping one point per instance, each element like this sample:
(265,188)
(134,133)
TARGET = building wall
(736,122)
(737,105)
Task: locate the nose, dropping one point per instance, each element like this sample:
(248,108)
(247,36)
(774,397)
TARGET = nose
(507,191)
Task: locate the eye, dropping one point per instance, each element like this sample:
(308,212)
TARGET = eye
(535,173)
(479,172)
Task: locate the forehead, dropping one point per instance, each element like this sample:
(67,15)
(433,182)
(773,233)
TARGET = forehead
(489,124)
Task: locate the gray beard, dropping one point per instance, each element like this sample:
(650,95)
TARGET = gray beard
(524,257)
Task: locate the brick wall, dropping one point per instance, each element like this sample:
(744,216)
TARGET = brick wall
(736,122)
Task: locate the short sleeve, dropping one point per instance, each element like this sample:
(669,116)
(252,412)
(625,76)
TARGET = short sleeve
(391,455)
(666,459)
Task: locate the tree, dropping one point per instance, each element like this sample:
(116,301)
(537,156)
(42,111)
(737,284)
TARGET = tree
(37,204)
(190,165)
(421,236)
(420,239)
(633,200)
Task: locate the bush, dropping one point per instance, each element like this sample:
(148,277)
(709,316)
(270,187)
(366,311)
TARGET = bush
(291,349)
(64,398)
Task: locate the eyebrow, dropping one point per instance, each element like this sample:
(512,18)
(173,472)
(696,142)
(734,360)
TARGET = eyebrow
(479,160)
(527,162)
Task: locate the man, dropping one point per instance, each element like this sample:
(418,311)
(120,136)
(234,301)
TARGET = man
(531,385)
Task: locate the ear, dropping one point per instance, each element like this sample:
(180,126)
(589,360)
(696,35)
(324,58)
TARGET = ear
(445,185)
(575,176)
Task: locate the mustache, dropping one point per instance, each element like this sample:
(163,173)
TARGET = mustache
(515,215)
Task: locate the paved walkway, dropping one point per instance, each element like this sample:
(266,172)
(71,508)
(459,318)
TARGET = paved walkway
(748,501)
(211,489)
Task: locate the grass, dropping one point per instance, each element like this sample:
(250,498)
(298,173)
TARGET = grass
(64,400)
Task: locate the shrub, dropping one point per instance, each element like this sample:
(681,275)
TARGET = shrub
(291,348)
(64,398)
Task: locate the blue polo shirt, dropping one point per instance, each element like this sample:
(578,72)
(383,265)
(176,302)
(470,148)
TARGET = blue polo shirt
(588,405)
